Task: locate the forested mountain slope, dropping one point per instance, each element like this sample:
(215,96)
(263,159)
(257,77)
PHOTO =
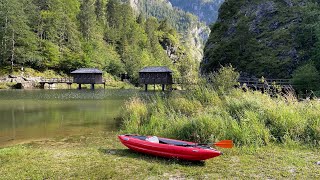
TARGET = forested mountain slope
(67,34)
(193,32)
(206,10)
(270,38)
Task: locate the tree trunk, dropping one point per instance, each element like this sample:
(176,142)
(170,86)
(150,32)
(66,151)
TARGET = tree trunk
(4,40)
(12,52)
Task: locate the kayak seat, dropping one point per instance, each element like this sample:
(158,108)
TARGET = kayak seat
(153,139)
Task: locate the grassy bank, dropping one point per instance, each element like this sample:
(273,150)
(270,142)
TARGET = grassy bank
(101,156)
(248,118)
(215,110)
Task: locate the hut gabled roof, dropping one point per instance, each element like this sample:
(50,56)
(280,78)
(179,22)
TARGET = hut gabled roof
(153,69)
(87,71)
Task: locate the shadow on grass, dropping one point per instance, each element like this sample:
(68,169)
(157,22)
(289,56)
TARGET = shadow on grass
(136,155)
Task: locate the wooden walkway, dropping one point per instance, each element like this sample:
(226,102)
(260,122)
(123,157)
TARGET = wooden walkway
(69,81)
(252,83)
(52,81)
(56,80)
(264,83)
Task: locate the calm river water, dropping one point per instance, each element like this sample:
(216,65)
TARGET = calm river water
(37,114)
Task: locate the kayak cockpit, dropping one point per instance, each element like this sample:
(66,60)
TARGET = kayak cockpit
(155,139)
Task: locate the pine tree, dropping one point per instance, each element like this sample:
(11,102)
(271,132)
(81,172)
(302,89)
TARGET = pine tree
(100,11)
(16,36)
(87,19)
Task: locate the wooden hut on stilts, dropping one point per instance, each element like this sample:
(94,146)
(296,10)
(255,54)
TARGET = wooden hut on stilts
(155,75)
(87,76)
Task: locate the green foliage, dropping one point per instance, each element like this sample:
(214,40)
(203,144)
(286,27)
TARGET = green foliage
(51,54)
(230,9)
(246,118)
(180,20)
(306,78)
(7,85)
(18,42)
(224,80)
(193,33)
(262,38)
(136,113)
(64,35)
(87,19)
(202,115)
(186,106)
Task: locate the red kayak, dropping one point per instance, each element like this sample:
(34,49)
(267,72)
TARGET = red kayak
(169,148)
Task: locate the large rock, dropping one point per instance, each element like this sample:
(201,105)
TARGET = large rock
(20,82)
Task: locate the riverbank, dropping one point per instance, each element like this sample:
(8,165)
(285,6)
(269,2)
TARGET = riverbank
(102,156)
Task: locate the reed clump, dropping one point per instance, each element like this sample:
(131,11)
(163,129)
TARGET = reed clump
(206,113)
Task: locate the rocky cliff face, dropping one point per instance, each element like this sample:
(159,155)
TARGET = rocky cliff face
(263,38)
(206,10)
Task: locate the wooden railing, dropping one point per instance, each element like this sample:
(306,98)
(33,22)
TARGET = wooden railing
(56,80)
(260,82)
(248,81)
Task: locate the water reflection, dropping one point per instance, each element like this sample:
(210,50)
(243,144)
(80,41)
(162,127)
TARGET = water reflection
(29,115)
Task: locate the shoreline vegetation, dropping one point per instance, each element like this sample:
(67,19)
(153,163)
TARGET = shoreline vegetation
(216,111)
(276,137)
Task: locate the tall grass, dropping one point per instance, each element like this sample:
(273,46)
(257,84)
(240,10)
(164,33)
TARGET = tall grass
(204,115)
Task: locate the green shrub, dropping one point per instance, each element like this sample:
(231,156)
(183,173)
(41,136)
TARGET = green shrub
(135,115)
(204,95)
(200,129)
(312,128)
(306,78)
(224,79)
(185,106)
(285,122)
